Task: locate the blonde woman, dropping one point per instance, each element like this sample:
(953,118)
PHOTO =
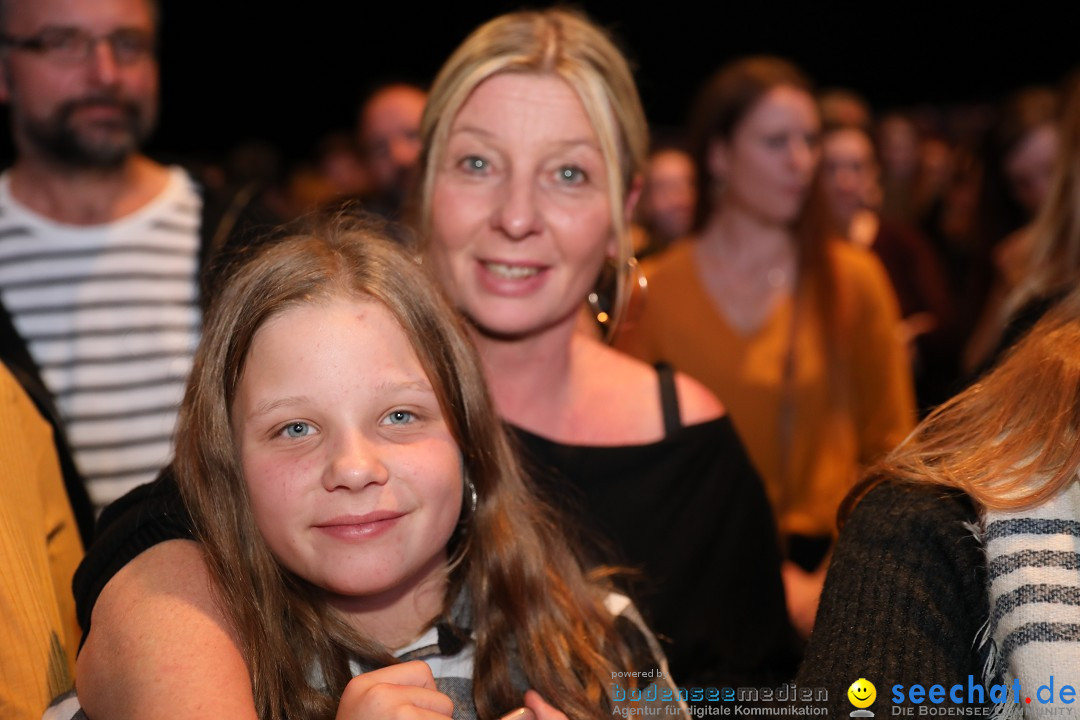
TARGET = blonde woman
(534,140)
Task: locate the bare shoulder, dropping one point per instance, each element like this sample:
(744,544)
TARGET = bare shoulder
(159,646)
(634,383)
(697,404)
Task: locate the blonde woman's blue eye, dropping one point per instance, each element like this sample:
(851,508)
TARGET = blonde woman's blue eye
(296,429)
(571,175)
(475,164)
(400,417)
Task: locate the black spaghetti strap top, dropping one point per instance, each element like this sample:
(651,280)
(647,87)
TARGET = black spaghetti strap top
(669,398)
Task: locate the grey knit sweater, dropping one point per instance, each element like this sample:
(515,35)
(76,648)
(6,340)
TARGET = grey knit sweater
(905,598)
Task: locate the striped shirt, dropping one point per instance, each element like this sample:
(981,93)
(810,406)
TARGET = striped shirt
(1033,565)
(111,317)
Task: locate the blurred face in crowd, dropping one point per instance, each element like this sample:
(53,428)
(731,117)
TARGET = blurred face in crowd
(768,164)
(1030,167)
(849,172)
(390,137)
(899,147)
(520,217)
(843,108)
(670,193)
(81,79)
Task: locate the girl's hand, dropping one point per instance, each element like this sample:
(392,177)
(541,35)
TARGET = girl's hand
(395,691)
(535,709)
(540,708)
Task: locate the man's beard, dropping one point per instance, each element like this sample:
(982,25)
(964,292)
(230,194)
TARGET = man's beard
(99,145)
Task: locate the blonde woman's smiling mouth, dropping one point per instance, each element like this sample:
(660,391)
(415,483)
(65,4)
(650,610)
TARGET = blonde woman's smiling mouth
(510,279)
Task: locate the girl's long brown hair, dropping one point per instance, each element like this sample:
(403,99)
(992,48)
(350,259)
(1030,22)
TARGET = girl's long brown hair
(1011,440)
(533,607)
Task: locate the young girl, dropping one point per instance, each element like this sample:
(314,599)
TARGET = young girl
(359,504)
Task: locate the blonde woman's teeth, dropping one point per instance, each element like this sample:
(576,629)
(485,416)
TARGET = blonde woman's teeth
(511,272)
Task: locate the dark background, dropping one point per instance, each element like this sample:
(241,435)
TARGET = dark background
(290,72)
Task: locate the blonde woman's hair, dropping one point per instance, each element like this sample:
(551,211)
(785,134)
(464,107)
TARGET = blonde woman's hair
(1011,440)
(1054,261)
(562,44)
(534,609)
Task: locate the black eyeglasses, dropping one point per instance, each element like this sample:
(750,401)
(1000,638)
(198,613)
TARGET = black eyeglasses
(72,46)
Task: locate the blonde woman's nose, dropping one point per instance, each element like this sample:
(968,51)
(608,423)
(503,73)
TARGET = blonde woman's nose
(517,213)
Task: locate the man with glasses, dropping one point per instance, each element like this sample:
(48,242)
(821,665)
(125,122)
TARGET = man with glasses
(99,245)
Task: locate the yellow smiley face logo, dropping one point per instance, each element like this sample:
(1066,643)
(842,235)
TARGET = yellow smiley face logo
(862,693)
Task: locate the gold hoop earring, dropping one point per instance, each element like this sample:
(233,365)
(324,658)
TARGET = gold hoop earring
(607,305)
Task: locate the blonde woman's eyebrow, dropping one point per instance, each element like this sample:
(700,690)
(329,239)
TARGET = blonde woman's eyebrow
(472,130)
(588,142)
(579,141)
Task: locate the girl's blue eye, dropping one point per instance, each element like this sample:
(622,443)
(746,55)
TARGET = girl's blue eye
(400,417)
(296,429)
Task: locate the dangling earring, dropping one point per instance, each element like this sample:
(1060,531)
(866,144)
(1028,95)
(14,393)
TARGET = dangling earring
(602,297)
(606,305)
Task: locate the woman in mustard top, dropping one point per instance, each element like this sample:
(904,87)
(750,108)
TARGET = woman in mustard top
(795,331)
